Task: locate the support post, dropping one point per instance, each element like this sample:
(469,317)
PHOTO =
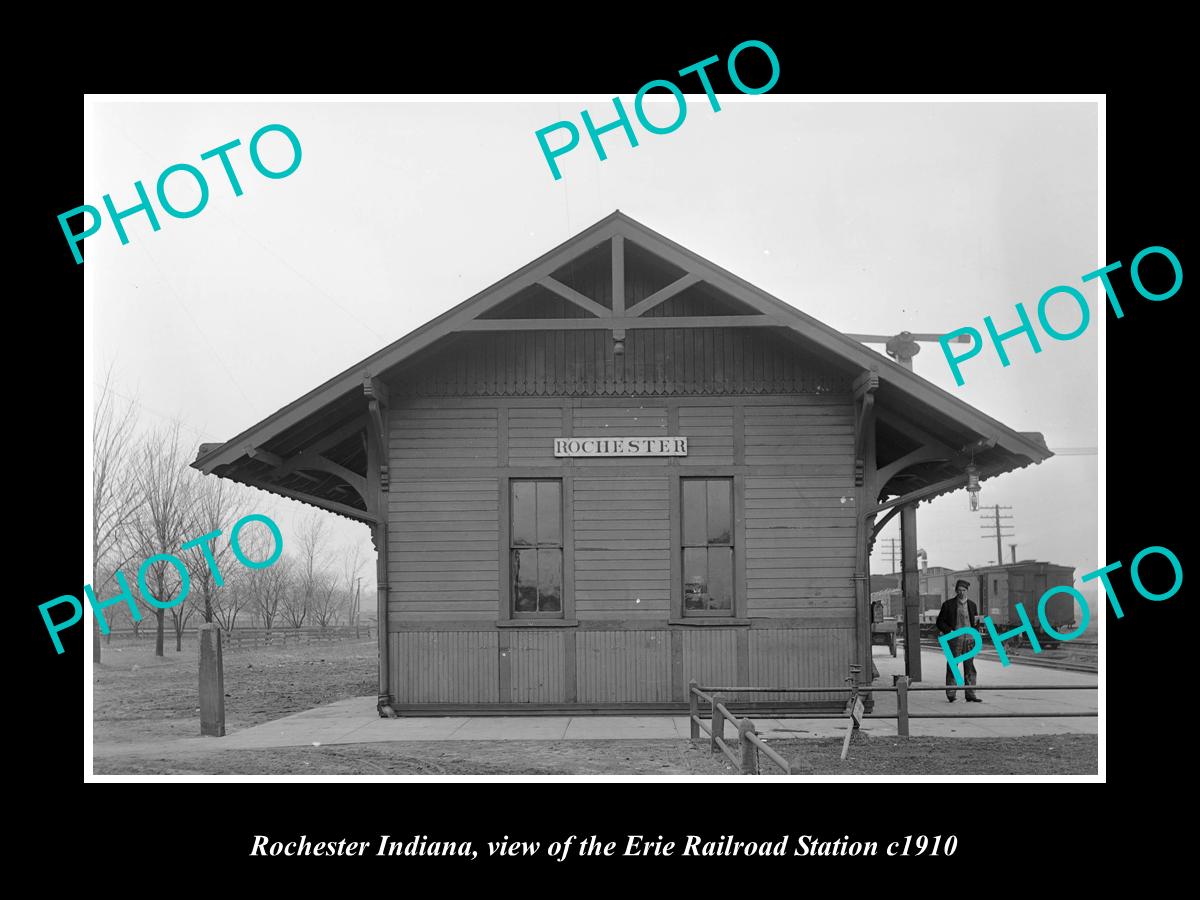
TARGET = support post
(902,705)
(693,709)
(866,495)
(911,581)
(212,682)
(378,482)
(718,724)
(749,764)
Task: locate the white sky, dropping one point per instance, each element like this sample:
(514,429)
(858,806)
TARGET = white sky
(871,217)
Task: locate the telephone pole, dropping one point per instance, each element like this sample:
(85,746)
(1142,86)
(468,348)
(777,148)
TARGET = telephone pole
(893,540)
(996,517)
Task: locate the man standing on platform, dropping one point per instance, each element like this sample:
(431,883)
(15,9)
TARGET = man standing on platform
(956,613)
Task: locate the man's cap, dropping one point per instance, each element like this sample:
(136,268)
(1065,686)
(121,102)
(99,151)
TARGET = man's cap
(962,583)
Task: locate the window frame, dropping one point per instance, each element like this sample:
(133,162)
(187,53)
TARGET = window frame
(736,608)
(507,614)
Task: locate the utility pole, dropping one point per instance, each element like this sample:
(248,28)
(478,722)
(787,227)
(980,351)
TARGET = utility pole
(903,347)
(995,515)
(893,542)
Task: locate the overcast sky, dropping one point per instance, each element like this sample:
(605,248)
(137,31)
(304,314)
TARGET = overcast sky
(870,217)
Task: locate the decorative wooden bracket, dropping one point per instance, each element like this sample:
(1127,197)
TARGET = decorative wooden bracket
(376,393)
(865,386)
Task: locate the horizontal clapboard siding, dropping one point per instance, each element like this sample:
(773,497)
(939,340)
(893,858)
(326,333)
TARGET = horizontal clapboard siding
(444,667)
(632,420)
(709,432)
(623,666)
(622,548)
(443,438)
(800,544)
(531,434)
(443,561)
(809,430)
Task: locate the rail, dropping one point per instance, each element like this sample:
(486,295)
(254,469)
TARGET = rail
(268,637)
(750,745)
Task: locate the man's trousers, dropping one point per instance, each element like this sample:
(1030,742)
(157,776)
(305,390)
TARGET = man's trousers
(958,647)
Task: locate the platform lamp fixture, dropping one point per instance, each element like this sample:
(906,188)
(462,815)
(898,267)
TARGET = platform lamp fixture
(973,484)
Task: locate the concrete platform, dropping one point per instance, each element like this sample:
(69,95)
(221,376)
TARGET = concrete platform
(356,721)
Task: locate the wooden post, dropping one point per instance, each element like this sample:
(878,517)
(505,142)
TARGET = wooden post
(749,764)
(693,709)
(212,682)
(718,724)
(902,705)
(911,586)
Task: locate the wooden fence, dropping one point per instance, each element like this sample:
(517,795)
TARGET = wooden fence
(748,741)
(265,637)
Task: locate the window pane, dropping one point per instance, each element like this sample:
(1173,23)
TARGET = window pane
(549,513)
(720,518)
(524,519)
(549,580)
(695,515)
(695,578)
(525,580)
(720,578)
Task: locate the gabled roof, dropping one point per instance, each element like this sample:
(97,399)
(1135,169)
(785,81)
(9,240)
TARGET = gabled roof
(936,410)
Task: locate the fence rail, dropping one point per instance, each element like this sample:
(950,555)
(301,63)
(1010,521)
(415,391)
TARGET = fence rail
(267,637)
(750,744)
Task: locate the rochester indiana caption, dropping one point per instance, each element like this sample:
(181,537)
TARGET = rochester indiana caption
(631,845)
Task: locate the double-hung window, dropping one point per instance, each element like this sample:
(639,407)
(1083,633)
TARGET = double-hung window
(707,532)
(536,547)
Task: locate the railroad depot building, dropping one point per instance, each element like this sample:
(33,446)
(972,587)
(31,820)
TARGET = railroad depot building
(618,469)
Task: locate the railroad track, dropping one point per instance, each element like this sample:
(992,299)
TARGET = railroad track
(1041,661)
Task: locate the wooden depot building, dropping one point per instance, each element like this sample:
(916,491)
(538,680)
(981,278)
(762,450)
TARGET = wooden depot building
(620,468)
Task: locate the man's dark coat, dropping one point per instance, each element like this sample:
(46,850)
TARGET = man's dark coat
(947,619)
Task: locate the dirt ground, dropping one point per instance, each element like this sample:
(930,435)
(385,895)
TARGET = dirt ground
(1037,755)
(140,697)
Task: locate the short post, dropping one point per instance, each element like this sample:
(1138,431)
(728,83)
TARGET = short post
(749,764)
(693,709)
(212,682)
(718,724)
(902,705)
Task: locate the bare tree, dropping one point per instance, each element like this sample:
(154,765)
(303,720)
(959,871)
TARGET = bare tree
(164,521)
(352,563)
(218,504)
(115,498)
(328,601)
(296,605)
(310,567)
(235,596)
(269,587)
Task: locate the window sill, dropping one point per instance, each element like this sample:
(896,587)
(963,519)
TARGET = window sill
(537,623)
(708,620)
